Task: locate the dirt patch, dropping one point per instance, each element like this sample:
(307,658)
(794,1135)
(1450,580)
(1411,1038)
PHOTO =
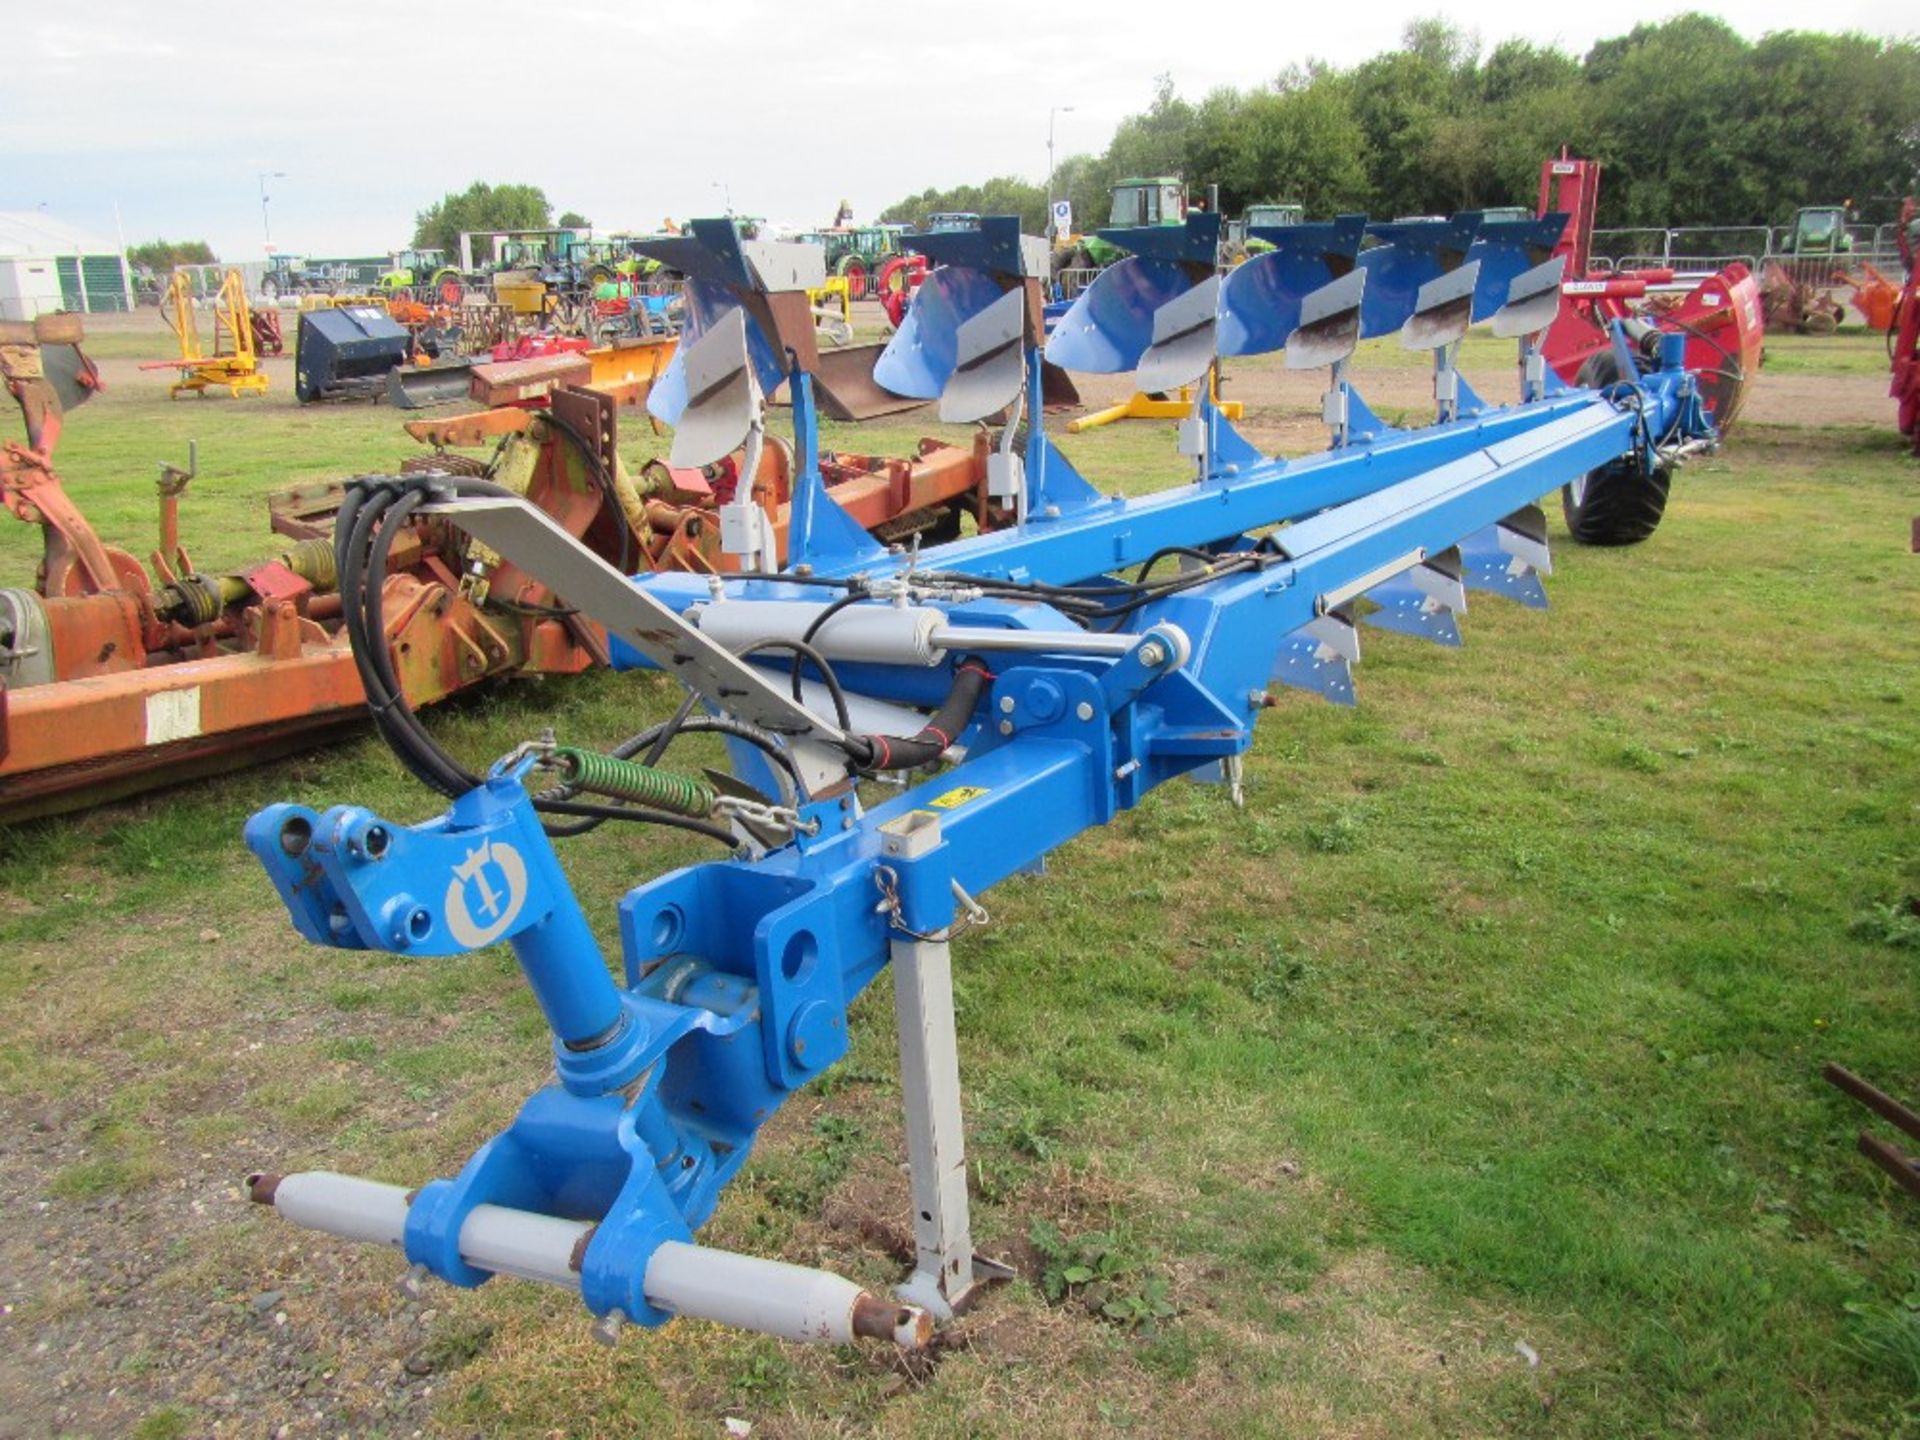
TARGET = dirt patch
(1283,406)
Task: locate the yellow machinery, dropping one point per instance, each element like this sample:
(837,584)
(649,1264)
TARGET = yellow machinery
(1140,406)
(233,365)
(337,302)
(832,306)
(523,294)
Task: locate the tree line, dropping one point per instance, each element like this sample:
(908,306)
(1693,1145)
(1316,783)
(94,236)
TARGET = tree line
(1693,123)
(484,207)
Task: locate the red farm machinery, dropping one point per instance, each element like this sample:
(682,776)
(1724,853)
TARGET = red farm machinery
(1720,314)
(1903,333)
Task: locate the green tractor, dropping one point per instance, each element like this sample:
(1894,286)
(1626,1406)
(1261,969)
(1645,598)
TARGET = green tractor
(423,275)
(1818,230)
(857,252)
(1152,200)
(1143,200)
(1237,240)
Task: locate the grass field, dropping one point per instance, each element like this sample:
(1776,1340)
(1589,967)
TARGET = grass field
(1466,1082)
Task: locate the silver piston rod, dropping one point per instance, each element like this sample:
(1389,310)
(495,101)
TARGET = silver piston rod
(899,634)
(768,1296)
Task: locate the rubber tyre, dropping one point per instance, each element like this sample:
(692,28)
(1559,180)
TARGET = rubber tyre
(1616,504)
(854,271)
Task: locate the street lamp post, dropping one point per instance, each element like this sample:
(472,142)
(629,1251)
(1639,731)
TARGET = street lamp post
(1052,112)
(266,225)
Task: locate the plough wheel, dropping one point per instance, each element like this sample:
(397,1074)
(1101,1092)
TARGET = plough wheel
(1616,504)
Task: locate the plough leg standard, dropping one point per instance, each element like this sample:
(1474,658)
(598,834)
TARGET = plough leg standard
(1070,663)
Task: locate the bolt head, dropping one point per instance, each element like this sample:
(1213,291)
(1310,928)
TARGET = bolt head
(1006,704)
(1084,710)
(1152,654)
(1006,727)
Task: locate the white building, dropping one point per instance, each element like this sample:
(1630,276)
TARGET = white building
(46,264)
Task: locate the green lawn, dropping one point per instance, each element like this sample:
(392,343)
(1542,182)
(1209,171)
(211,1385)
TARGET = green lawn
(1465,1082)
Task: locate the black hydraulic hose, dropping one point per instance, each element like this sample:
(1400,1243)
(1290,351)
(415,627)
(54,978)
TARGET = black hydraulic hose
(803,651)
(603,480)
(936,737)
(371,517)
(670,729)
(852,597)
(597,814)
(366,506)
(1186,552)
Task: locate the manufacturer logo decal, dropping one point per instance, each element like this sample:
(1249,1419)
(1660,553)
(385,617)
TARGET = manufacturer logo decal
(485,894)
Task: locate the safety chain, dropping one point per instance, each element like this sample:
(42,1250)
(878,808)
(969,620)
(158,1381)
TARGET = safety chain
(973,914)
(779,817)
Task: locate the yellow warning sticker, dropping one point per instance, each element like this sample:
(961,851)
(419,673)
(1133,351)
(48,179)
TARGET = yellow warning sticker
(957,797)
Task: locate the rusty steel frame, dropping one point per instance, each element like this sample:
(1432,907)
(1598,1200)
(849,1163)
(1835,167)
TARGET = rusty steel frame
(142,692)
(1904,1168)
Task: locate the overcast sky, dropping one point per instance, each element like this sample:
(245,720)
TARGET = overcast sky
(629,113)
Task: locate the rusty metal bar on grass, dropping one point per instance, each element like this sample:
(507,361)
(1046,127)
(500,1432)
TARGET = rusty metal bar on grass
(1903,1168)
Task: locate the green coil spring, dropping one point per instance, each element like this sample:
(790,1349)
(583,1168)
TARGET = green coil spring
(619,779)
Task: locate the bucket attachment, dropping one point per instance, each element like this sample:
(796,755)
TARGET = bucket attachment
(418,387)
(1260,299)
(346,353)
(847,389)
(1057,390)
(1330,323)
(1411,253)
(1111,325)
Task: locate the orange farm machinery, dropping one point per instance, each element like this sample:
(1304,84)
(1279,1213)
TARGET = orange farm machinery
(116,676)
(119,675)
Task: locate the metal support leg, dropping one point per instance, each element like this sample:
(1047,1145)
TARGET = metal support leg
(936,1143)
(945,1268)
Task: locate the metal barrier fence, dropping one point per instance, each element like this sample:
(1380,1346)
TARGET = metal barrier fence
(1708,247)
(1688,264)
(1071,282)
